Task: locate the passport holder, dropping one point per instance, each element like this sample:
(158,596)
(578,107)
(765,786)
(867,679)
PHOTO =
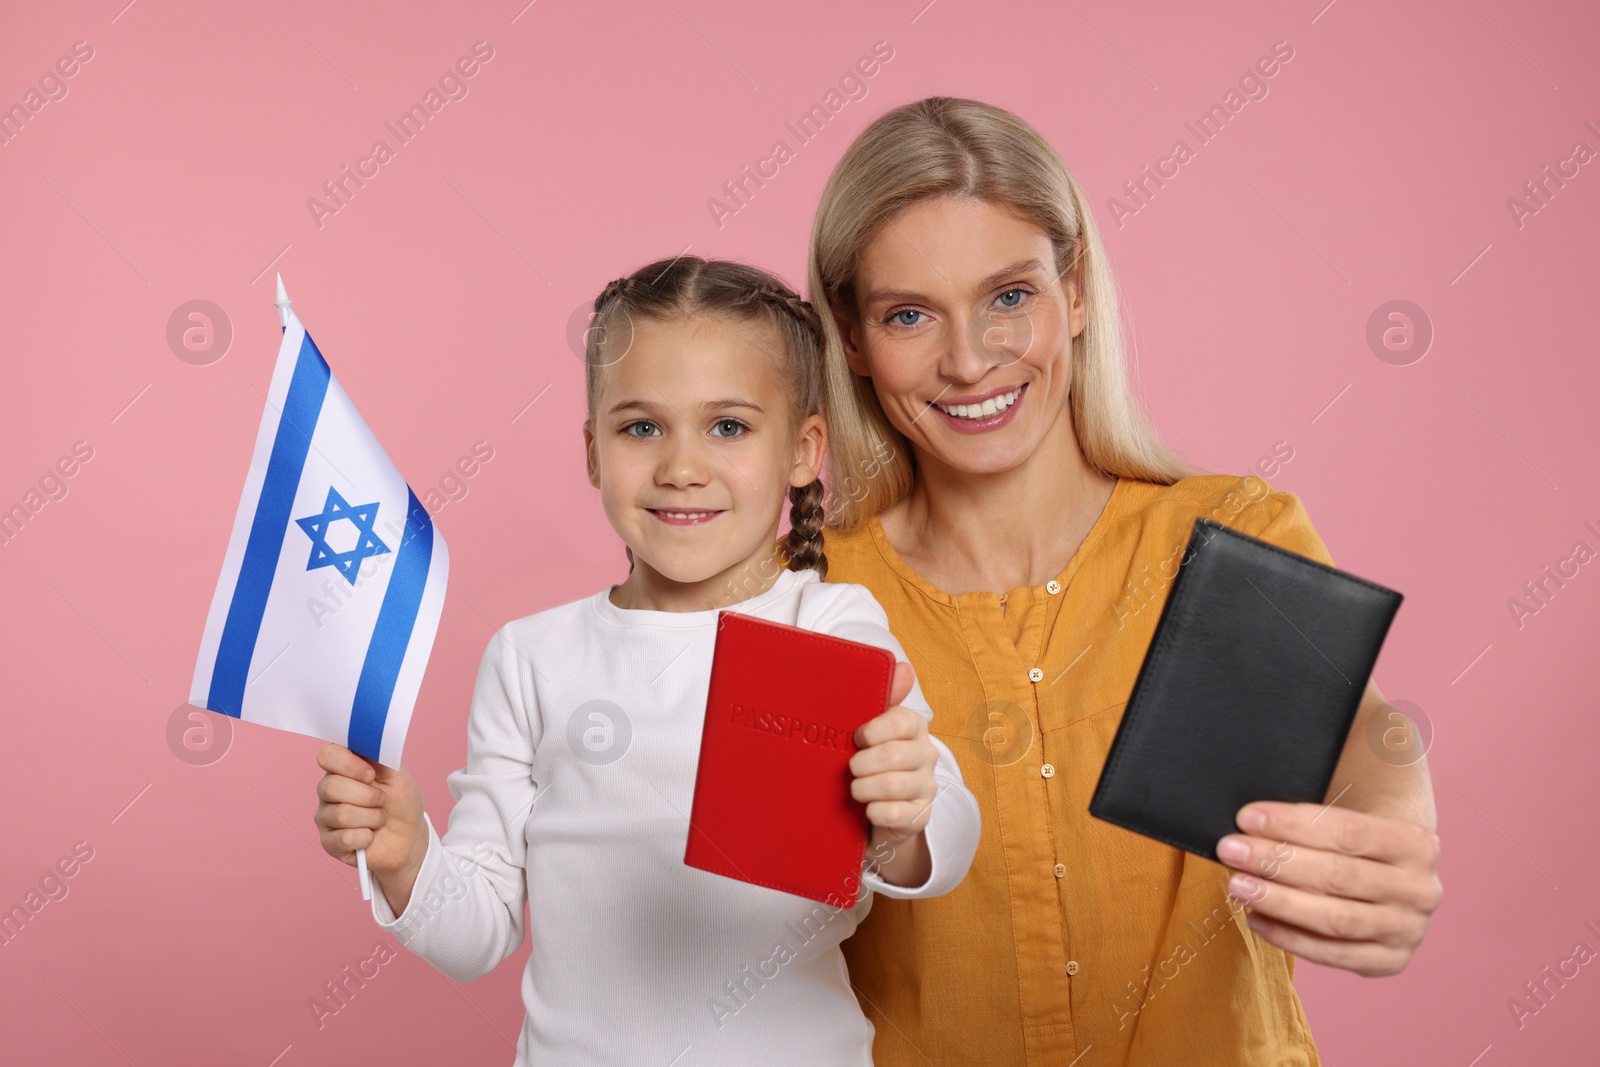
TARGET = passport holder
(772,803)
(1247,692)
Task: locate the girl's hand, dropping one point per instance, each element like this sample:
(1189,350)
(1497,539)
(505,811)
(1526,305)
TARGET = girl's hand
(378,808)
(894,779)
(1335,886)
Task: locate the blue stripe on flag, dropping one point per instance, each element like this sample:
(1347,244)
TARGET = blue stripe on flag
(392,633)
(301,408)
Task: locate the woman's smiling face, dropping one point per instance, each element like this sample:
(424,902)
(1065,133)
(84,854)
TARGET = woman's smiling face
(966,332)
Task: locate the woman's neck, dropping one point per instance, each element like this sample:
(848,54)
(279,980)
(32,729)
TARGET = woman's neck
(997,531)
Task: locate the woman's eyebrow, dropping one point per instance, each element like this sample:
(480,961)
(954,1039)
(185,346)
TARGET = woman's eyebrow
(729,402)
(1010,270)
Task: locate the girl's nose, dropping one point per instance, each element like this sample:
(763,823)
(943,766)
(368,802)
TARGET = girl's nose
(685,462)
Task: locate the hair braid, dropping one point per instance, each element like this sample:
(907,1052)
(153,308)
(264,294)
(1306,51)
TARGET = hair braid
(613,289)
(803,545)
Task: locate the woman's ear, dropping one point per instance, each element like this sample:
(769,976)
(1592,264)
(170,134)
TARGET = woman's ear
(850,340)
(810,445)
(590,455)
(1072,289)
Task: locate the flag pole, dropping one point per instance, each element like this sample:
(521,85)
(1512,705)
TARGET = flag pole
(282,303)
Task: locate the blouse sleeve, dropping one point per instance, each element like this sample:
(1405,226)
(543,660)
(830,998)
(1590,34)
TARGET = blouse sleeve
(953,822)
(1281,519)
(466,912)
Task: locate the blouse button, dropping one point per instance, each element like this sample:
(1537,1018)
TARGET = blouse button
(1072,966)
(1036,675)
(1052,587)
(1048,770)
(1061,870)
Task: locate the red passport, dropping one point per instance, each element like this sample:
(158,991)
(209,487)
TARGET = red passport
(772,803)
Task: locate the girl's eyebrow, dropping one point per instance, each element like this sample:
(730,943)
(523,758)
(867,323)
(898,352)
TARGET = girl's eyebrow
(994,279)
(647,407)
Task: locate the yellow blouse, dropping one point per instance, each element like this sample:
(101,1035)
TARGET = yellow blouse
(1071,941)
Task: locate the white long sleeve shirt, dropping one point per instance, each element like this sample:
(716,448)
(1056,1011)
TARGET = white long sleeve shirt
(582,747)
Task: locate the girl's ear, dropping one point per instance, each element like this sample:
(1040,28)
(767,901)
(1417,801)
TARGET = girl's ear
(591,457)
(811,443)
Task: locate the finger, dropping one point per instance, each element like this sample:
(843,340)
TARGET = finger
(343,842)
(337,789)
(895,724)
(350,816)
(1331,917)
(904,755)
(1333,874)
(893,785)
(336,759)
(898,815)
(1365,958)
(900,686)
(1353,833)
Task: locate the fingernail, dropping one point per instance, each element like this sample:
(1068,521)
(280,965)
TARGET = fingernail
(1243,887)
(1252,819)
(1233,850)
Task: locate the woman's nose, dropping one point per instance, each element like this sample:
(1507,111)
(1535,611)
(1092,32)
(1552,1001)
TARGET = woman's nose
(967,354)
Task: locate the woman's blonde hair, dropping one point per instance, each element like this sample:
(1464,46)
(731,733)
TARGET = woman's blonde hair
(683,287)
(944,146)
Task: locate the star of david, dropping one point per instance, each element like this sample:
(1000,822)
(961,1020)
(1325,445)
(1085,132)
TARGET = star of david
(367,542)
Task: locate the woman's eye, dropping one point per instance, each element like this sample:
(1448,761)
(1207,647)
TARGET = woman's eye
(1012,298)
(728,428)
(642,428)
(899,318)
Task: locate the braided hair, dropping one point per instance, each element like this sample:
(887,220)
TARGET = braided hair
(691,285)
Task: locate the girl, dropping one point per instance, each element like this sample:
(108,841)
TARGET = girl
(704,385)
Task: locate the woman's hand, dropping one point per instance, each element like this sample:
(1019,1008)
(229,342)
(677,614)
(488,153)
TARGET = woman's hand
(894,779)
(378,808)
(1335,886)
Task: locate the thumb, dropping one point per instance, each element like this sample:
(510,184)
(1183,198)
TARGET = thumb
(900,688)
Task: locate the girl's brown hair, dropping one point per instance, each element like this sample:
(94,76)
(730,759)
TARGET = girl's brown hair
(944,146)
(688,286)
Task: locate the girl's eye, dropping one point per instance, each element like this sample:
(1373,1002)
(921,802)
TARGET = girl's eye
(1012,298)
(728,428)
(642,428)
(898,318)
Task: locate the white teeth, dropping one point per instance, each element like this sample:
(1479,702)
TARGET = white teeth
(687,514)
(992,406)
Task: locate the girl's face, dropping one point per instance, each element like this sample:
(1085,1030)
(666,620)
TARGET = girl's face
(966,332)
(693,447)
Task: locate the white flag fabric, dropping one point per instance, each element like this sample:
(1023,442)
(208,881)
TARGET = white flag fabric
(334,579)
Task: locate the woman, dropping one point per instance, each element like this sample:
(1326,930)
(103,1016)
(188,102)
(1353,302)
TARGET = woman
(1021,535)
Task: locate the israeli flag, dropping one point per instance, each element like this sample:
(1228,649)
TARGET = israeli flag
(334,579)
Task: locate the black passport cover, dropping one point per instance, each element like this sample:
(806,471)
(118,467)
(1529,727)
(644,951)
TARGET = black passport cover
(1247,691)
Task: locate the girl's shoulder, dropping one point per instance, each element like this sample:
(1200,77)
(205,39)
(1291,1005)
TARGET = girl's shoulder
(565,621)
(821,604)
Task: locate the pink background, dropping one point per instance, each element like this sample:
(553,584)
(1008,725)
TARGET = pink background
(178,168)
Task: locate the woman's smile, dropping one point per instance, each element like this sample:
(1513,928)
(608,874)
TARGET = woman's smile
(983,412)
